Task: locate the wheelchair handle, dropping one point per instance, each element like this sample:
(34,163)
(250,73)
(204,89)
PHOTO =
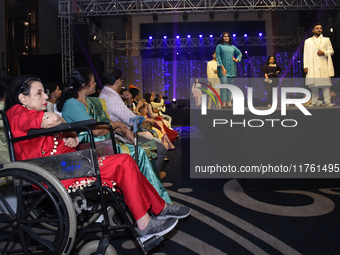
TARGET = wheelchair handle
(136,120)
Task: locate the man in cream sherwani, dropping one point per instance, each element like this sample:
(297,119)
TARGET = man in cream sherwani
(213,79)
(318,65)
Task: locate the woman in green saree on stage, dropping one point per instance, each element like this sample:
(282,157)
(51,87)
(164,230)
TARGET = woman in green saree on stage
(75,106)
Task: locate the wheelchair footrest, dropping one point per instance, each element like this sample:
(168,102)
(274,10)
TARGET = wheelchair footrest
(152,242)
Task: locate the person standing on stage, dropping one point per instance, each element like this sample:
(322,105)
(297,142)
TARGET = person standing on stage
(213,78)
(318,65)
(197,93)
(270,70)
(226,67)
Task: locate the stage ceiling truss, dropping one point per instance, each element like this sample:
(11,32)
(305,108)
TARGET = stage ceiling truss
(117,7)
(174,43)
(71,11)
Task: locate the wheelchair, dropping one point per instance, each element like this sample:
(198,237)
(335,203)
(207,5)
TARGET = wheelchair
(39,216)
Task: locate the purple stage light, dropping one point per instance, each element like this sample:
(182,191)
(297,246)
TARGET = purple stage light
(211,36)
(150,37)
(245,35)
(246,52)
(174,100)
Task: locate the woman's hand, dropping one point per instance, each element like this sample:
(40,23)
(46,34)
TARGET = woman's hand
(235,59)
(152,121)
(139,104)
(128,134)
(224,71)
(117,124)
(71,142)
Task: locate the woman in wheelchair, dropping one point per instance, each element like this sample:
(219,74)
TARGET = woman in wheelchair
(25,108)
(75,106)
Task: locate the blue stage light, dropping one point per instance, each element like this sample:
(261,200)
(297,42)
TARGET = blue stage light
(200,36)
(234,35)
(245,35)
(150,37)
(165,37)
(177,36)
(260,34)
(211,36)
(188,36)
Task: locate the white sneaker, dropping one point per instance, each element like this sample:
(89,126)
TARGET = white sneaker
(312,105)
(329,105)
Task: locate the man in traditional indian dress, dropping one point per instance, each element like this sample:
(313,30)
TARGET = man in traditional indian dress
(318,65)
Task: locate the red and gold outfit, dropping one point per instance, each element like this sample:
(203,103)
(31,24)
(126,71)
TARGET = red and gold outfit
(139,194)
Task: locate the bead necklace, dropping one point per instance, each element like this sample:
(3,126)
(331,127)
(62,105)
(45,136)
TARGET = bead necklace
(85,103)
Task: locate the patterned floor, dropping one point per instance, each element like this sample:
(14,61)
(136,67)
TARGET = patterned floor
(226,220)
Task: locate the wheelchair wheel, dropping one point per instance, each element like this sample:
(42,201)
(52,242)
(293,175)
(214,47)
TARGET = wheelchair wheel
(115,218)
(84,219)
(91,248)
(34,191)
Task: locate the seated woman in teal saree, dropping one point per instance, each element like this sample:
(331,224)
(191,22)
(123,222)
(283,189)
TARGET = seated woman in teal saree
(76,106)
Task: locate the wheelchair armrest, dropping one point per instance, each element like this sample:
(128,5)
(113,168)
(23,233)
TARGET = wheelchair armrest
(65,127)
(80,124)
(61,128)
(57,129)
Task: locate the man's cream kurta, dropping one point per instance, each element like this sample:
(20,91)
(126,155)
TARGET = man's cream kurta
(320,68)
(213,77)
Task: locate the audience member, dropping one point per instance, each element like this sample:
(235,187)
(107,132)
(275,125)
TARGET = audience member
(172,134)
(118,111)
(160,107)
(53,92)
(26,105)
(5,83)
(77,106)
